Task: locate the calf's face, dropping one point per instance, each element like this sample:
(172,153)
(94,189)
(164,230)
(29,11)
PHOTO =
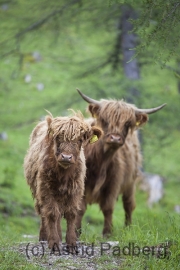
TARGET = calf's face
(69,135)
(67,152)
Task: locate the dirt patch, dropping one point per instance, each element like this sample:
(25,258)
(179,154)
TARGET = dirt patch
(82,256)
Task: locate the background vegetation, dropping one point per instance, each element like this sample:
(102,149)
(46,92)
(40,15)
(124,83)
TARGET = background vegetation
(47,49)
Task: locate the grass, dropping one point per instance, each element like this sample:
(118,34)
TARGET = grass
(151,227)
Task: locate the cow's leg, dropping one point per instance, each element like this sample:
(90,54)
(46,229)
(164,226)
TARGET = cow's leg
(59,228)
(79,217)
(51,216)
(128,199)
(107,206)
(107,212)
(70,233)
(42,232)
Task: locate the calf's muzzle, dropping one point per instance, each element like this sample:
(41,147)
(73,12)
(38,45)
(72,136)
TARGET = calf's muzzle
(66,159)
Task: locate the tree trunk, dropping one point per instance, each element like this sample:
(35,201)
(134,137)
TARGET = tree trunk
(131,67)
(128,43)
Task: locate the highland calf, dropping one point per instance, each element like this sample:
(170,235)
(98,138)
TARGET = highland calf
(55,169)
(113,163)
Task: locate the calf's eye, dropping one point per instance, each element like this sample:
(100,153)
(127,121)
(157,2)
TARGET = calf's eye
(80,141)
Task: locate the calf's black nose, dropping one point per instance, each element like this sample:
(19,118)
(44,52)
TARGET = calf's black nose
(66,157)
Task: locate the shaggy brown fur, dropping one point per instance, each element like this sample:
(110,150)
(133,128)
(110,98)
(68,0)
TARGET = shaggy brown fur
(55,169)
(113,162)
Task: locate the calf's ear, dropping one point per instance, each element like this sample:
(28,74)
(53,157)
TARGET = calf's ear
(97,133)
(49,121)
(94,109)
(141,118)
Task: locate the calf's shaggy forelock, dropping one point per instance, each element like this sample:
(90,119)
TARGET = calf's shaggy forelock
(55,170)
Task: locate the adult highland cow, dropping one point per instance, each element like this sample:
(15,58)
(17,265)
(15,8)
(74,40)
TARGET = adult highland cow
(55,169)
(113,162)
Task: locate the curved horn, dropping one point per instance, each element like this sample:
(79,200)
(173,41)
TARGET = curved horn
(152,110)
(86,98)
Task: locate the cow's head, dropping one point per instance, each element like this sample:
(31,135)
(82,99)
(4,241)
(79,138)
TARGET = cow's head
(68,135)
(116,118)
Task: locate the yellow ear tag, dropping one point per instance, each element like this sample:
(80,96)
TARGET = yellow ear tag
(94,139)
(137,123)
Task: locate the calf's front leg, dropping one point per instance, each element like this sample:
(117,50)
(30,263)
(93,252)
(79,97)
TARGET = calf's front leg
(51,217)
(59,228)
(42,232)
(79,217)
(71,237)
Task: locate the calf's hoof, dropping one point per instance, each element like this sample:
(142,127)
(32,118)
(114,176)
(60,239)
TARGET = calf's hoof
(54,245)
(72,249)
(71,243)
(106,233)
